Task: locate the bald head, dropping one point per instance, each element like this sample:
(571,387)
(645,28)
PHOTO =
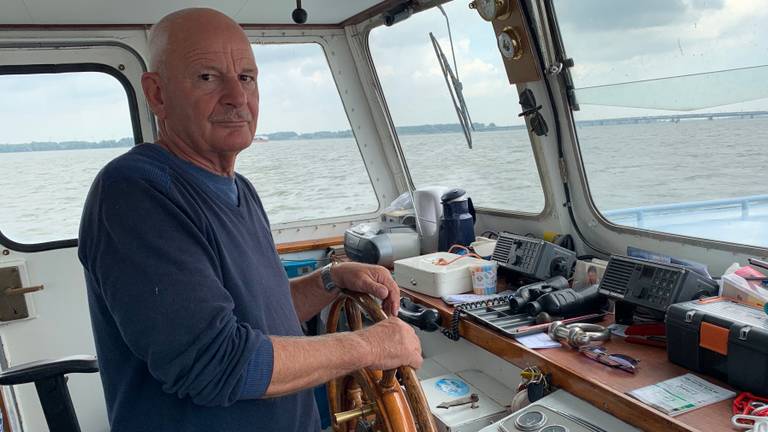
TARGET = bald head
(177,28)
(202,86)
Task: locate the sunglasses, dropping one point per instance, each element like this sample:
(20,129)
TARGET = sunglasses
(618,361)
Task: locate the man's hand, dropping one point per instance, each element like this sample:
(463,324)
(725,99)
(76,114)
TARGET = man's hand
(392,343)
(370,279)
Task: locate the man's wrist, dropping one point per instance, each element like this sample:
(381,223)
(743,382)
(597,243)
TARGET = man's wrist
(326,278)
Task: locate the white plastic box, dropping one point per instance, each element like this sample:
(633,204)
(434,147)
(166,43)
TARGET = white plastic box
(422,274)
(493,399)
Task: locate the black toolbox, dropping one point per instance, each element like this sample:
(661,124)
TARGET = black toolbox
(726,339)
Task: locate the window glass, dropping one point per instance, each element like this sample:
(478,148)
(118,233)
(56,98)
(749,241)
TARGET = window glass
(499,172)
(56,132)
(304,162)
(673,113)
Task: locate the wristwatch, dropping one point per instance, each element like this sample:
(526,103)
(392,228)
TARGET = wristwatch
(325,276)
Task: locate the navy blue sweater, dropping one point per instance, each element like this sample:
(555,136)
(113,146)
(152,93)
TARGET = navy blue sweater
(183,286)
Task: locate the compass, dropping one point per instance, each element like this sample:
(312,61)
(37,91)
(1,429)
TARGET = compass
(509,44)
(490,10)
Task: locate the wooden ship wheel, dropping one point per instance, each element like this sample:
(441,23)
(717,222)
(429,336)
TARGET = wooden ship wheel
(374,400)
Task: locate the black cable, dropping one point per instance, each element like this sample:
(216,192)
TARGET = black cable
(550,94)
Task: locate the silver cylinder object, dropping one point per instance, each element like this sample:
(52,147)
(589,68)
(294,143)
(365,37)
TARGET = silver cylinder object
(578,334)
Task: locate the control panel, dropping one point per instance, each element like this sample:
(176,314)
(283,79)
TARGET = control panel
(559,412)
(651,284)
(532,257)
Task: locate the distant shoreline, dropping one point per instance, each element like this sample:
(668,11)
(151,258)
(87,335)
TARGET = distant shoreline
(402,130)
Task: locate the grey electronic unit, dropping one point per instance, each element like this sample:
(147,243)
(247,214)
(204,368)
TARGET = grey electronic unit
(381,243)
(532,257)
(651,284)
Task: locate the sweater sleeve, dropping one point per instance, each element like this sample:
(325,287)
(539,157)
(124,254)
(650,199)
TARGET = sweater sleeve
(162,284)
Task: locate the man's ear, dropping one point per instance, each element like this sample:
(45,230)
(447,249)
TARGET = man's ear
(150,83)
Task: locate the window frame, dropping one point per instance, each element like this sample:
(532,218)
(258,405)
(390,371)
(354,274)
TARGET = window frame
(135,116)
(538,156)
(342,56)
(322,44)
(589,215)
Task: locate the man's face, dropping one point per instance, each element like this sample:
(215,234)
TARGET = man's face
(211,94)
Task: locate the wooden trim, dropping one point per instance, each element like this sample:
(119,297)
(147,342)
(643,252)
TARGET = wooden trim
(306,245)
(603,387)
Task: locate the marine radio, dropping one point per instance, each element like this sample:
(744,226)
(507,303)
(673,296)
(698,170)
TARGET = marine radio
(651,284)
(532,257)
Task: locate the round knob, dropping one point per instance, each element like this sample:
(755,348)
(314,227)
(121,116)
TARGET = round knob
(299,16)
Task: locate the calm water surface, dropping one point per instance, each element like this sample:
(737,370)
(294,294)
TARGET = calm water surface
(635,165)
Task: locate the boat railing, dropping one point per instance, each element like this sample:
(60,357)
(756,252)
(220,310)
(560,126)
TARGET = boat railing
(730,209)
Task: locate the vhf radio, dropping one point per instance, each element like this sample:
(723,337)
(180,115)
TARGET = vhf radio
(533,258)
(651,284)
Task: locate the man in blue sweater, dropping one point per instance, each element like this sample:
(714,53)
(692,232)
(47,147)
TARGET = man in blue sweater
(196,324)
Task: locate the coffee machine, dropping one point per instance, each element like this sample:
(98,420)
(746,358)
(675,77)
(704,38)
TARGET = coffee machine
(457,224)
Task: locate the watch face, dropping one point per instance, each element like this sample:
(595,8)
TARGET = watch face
(487,9)
(509,44)
(506,45)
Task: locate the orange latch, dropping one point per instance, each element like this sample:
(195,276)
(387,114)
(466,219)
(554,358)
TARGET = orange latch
(714,338)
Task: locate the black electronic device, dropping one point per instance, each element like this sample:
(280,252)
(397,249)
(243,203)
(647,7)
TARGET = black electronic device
(426,319)
(651,284)
(528,293)
(567,302)
(533,258)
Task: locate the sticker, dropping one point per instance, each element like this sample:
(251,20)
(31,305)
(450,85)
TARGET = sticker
(452,387)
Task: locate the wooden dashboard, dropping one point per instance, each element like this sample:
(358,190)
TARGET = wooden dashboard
(600,385)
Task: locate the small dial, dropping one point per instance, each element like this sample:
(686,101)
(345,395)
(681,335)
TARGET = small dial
(530,421)
(509,44)
(555,428)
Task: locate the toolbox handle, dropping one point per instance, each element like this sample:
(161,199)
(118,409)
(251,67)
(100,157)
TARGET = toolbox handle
(744,332)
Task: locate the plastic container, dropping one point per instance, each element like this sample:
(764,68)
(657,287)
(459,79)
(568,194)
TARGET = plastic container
(725,339)
(484,277)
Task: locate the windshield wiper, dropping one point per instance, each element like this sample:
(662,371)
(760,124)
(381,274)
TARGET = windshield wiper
(455,89)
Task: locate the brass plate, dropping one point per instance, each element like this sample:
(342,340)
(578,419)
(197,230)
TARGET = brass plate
(525,68)
(12,307)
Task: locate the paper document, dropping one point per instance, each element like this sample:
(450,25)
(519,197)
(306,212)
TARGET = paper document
(682,394)
(537,341)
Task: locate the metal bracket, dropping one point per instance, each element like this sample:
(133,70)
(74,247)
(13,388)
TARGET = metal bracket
(744,332)
(473,400)
(689,316)
(13,304)
(555,68)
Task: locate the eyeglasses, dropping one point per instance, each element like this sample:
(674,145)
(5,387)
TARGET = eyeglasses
(619,361)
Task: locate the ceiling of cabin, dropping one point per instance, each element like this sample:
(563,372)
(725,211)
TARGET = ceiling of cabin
(17,12)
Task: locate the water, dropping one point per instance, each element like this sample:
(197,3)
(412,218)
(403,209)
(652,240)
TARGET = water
(627,166)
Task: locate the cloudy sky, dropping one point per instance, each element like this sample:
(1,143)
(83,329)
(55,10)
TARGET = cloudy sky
(612,41)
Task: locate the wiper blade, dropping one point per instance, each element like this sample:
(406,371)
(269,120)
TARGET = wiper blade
(455,89)
(684,92)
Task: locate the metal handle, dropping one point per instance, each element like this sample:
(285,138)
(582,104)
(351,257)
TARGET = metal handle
(24,290)
(473,401)
(355,413)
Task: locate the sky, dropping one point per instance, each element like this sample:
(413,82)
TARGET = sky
(611,42)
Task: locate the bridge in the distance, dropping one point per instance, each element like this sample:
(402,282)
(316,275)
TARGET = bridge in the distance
(674,118)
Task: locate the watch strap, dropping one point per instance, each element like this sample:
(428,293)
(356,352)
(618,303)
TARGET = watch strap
(325,275)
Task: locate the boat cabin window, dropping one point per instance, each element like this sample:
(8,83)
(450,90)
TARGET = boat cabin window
(673,112)
(305,161)
(57,130)
(499,172)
